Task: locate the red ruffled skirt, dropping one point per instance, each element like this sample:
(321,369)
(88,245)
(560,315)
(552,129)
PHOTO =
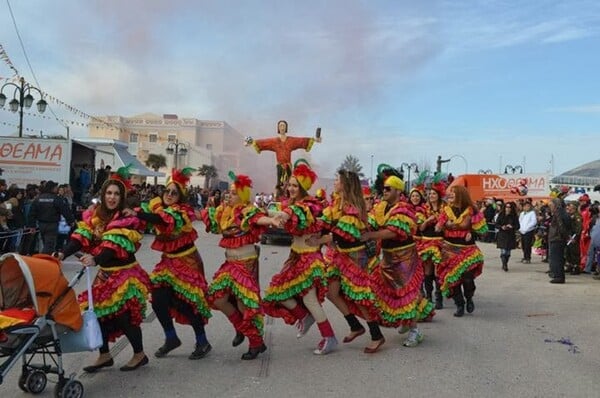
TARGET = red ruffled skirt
(301,272)
(456,260)
(184,275)
(116,291)
(238,280)
(351,268)
(396,282)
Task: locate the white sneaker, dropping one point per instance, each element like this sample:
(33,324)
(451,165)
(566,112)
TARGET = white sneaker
(414,338)
(304,324)
(326,345)
(403,329)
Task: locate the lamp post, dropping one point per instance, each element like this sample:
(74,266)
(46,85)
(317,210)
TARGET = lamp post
(23,100)
(176,148)
(409,166)
(513,169)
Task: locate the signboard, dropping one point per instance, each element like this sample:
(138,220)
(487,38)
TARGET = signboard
(505,186)
(29,160)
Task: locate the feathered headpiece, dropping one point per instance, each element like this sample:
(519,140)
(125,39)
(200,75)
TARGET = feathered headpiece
(395,182)
(321,194)
(123,176)
(418,184)
(366,192)
(559,192)
(305,176)
(439,184)
(241,184)
(383,172)
(181,178)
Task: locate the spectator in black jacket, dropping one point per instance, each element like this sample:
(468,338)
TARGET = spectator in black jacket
(46,209)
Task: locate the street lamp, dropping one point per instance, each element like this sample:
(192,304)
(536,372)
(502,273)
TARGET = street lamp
(486,171)
(409,166)
(513,169)
(176,149)
(25,100)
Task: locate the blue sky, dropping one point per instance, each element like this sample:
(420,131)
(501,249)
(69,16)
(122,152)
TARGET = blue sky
(493,82)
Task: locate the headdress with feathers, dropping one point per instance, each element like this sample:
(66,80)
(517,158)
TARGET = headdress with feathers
(559,192)
(305,176)
(242,184)
(181,178)
(418,184)
(383,172)
(123,176)
(321,194)
(439,183)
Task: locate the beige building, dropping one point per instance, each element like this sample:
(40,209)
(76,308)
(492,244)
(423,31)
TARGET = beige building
(192,142)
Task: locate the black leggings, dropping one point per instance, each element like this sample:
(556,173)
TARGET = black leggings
(163,298)
(122,322)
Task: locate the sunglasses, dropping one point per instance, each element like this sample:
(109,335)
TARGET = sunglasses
(386,188)
(172,192)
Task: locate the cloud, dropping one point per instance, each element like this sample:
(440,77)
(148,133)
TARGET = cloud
(476,26)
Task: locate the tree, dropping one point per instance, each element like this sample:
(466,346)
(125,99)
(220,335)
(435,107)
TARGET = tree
(155,162)
(209,172)
(351,163)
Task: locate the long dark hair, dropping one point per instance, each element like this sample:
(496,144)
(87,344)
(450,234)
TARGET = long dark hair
(352,191)
(102,211)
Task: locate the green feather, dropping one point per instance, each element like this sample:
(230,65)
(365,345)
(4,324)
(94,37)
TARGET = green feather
(300,161)
(187,171)
(232,175)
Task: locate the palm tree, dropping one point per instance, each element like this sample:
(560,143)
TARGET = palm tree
(209,172)
(351,163)
(155,162)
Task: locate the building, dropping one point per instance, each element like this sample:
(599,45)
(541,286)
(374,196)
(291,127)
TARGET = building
(192,142)
(581,179)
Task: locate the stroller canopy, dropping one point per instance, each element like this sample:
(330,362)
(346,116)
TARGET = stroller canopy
(37,282)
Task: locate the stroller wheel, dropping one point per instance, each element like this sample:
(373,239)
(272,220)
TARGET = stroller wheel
(36,381)
(70,389)
(23,382)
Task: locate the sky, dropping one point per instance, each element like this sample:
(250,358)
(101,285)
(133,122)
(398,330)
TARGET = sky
(485,84)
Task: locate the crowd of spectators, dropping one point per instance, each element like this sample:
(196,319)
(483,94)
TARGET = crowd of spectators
(531,231)
(39,218)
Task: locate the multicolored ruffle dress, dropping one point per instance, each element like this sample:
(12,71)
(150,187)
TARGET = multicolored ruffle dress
(396,279)
(429,241)
(237,277)
(180,268)
(121,285)
(459,255)
(304,269)
(349,261)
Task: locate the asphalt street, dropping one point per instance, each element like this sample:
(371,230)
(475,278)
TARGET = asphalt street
(526,338)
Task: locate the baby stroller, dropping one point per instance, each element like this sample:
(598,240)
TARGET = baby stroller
(37,306)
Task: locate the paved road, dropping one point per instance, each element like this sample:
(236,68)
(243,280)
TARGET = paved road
(513,345)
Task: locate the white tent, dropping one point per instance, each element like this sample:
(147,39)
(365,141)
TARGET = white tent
(575,196)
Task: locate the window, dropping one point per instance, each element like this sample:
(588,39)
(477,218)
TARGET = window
(133,137)
(172,137)
(153,138)
(209,147)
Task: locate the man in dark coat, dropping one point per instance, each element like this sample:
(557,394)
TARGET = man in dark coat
(46,210)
